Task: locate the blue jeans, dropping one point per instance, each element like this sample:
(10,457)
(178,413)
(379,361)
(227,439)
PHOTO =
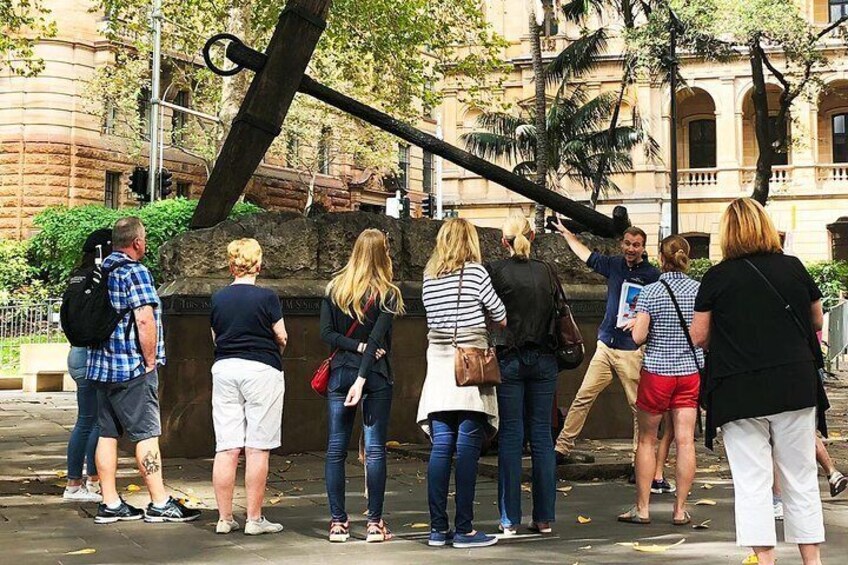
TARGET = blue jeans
(86,431)
(460,433)
(376,406)
(525,401)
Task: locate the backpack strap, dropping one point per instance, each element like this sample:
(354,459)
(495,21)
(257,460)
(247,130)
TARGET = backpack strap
(112,268)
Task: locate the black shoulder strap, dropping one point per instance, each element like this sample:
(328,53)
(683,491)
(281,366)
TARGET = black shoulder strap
(683,325)
(788,308)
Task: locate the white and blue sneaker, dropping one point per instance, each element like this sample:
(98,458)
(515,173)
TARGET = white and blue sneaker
(439,539)
(472,540)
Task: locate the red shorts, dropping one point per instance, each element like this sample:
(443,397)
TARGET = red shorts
(658,394)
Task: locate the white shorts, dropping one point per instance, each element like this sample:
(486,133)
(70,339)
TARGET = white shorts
(247,404)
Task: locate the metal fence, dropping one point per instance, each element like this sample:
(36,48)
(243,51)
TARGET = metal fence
(27,322)
(837,331)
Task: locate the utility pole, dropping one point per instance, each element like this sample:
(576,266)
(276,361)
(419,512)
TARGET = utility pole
(156,28)
(673,65)
(440,213)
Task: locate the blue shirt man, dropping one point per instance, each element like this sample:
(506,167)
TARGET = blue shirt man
(616,352)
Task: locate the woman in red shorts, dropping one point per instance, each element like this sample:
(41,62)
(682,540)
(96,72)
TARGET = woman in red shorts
(669,380)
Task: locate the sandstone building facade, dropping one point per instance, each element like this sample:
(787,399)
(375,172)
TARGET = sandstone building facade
(54,151)
(716,143)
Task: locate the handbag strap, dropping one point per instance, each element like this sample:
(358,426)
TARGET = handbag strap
(682,320)
(458,298)
(817,355)
(355,323)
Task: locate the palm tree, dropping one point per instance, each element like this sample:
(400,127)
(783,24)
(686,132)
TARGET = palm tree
(580,142)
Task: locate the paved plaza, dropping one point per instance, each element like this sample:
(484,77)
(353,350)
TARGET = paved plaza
(37,526)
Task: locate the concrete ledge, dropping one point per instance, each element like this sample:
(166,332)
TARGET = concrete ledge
(44,367)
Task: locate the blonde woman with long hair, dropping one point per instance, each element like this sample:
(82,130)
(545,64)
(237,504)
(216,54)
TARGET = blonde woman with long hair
(528,378)
(757,313)
(361,294)
(458,298)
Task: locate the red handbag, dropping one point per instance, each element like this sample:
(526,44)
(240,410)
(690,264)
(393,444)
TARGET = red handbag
(321,377)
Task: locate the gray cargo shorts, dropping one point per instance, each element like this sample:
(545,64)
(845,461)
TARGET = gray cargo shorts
(130,408)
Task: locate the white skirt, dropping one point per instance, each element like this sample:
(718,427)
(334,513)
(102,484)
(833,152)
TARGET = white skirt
(440,393)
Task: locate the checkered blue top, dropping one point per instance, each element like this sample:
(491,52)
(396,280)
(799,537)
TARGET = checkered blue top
(130,287)
(667,352)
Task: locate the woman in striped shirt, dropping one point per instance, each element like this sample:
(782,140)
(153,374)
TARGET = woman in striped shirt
(458,296)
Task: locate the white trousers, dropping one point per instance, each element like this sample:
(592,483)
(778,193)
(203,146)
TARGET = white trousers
(756,449)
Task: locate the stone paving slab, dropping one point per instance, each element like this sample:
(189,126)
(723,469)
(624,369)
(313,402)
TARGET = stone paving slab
(41,528)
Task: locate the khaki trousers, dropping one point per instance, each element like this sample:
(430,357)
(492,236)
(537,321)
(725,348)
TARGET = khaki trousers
(606,361)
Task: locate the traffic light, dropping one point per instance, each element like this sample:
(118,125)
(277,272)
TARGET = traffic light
(164,184)
(138,184)
(404,207)
(428,206)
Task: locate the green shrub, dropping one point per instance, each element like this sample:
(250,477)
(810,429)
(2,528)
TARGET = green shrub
(15,269)
(832,278)
(57,248)
(697,268)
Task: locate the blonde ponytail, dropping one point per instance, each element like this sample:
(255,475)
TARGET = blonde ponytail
(675,254)
(517,232)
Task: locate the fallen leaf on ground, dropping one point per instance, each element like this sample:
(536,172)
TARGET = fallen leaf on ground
(705,525)
(393,443)
(751,560)
(86,551)
(526,488)
(583,520)
(705,502)
(274,500)
(419,525)
(834,435)
(585,547)
(61,474)
(706,486)
(565,489)
(626,544)
(133,488)
(654,548)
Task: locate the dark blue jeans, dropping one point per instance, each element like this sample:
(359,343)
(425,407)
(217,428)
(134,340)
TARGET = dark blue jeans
(376,406)
(525,401)
(86,431)
(460,433)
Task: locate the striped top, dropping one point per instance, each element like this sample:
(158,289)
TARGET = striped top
(478,298)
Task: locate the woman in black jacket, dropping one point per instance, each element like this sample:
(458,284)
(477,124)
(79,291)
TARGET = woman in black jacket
(528,379)
(362,295)
(756,313)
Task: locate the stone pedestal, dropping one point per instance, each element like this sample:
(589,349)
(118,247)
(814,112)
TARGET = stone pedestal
(300,256)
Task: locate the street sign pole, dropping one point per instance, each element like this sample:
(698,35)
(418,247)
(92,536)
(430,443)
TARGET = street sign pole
(440,214)
(672,52)
(156,27)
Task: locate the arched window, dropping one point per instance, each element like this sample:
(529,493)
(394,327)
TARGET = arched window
(702,144)
(699,244)
(840,138)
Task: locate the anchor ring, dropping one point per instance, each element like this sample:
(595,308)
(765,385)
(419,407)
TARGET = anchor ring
(207,58)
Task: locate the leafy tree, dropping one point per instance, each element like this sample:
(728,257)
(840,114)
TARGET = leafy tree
(22,24)
(775,37)
(578,140)
(386,53)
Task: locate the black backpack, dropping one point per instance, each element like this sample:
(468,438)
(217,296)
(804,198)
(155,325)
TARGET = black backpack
(88,318)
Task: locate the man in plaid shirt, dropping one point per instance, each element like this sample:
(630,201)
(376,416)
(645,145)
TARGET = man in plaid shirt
(124,372)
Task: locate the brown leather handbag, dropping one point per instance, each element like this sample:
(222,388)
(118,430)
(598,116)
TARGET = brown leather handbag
(569,341)
(474,366)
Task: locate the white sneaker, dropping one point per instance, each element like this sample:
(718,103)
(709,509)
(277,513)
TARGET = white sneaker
(93,486)
(778,510)
(226,526)
(81,494)
(261,526)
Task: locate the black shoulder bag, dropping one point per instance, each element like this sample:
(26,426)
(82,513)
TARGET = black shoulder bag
(823,403)
(685,327)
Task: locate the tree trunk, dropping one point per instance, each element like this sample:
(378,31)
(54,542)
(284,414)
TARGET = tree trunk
(602,164)
(234,87)
(765,159)
(541,115)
